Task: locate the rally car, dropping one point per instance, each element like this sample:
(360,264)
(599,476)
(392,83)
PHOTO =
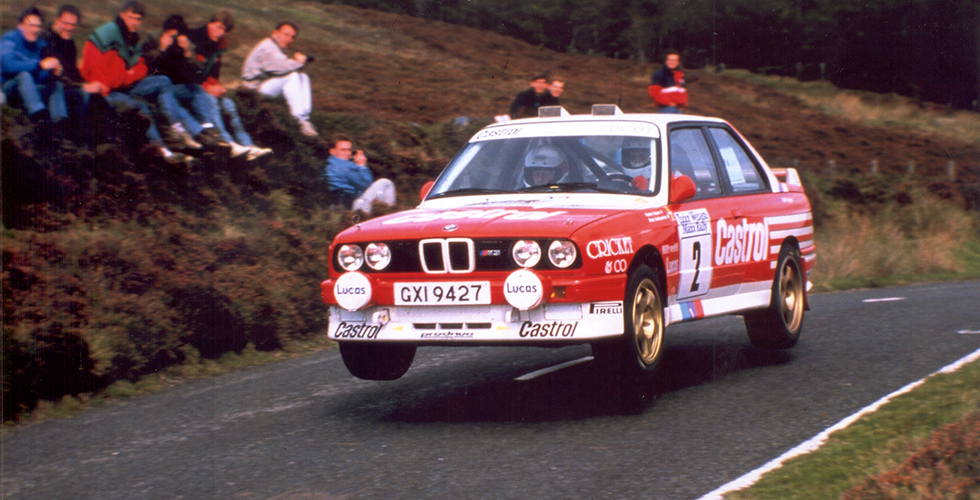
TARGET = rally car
(600,229)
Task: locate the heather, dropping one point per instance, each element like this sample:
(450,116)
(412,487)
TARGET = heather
(946,466)
(118,265)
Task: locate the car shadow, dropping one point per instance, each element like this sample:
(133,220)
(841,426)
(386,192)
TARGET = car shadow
(468,392)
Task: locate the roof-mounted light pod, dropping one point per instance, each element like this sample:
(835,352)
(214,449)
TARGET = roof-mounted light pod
(552,112)
(606,110)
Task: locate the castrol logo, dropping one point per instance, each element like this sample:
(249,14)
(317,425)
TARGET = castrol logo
(612,247)
(744,242)
(352,291)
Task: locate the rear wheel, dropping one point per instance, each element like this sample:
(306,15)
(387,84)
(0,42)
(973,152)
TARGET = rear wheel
(779,325)
(631,359)
(377,361)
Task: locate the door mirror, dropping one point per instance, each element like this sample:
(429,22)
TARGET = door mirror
(425,189)
(682,188)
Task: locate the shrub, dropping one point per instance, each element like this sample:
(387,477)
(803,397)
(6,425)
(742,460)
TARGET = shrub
(947,466)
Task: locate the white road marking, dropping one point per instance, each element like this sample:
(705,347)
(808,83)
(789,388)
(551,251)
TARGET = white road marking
(969,332)
(551,369)
(817,441)
(886,299)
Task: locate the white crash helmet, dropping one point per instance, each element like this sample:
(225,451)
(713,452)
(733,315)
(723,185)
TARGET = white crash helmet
(544,165)
(636,153)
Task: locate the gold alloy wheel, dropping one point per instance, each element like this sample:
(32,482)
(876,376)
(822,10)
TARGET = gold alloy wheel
(791,296)
(648,324)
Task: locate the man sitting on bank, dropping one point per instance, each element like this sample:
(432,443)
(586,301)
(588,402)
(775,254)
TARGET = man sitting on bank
(352,180)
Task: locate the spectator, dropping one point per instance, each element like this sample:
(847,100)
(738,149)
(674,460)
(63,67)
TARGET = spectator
(667,86)
(171,57)
(78,93)
(556,89)
(209,45)
(270,71)
(28,76)
(352,180)
(113,57)
(527,102)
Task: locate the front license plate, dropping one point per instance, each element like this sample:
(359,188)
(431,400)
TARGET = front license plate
(438,294)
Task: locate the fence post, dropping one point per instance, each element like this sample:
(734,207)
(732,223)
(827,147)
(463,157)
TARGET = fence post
(831,168)
(951,170)
(874,167)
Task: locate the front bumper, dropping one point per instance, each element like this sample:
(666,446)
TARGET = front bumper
(489,324)
(569,309)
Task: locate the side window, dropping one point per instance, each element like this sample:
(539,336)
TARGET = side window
(690,156)
(742,172)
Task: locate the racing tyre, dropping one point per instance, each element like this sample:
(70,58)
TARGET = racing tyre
(377,361)
(779,325)
(633,358)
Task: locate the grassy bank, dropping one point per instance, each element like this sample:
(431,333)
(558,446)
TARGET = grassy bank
(922,444)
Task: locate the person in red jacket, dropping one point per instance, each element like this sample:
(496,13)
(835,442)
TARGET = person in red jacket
(113,56)
(667,86)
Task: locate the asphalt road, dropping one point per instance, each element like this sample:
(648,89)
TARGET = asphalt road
(461,425)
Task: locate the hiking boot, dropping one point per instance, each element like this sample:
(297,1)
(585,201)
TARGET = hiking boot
(211,134)
(207,139)
(255,152)
(183,137)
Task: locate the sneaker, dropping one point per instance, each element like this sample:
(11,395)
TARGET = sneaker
(171,157)
(238,150)
(306,128)
(177,130)
(255,152)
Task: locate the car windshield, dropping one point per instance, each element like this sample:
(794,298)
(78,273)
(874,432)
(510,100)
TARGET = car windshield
(596,164)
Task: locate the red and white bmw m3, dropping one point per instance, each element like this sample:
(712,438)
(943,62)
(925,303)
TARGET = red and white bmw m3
(602,229)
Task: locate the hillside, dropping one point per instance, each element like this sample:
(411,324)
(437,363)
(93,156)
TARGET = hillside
(116,266)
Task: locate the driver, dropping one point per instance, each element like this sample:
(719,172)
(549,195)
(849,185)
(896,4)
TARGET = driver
(636,155)
(544,165)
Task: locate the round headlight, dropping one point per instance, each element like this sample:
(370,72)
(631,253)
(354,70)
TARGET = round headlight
(350,257)
(562,253)
(526,253)
(377,256)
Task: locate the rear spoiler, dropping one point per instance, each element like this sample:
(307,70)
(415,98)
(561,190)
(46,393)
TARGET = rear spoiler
(789,180)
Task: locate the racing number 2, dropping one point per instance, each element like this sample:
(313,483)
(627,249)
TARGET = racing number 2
(695,266)
(696,249)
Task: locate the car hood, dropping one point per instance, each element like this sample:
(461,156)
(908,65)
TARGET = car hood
(545,217)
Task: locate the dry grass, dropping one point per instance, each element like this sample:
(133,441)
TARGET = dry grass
(925,238)
(875,110)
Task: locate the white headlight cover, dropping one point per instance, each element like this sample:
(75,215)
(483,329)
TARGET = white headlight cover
(350,257)
(526,253)
(377,256)
(562,253)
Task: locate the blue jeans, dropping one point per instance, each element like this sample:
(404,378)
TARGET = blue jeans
(228,107)
(671,110)
(37,97)
(163,90)
(125,101)
(193,97)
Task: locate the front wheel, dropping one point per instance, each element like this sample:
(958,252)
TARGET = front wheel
(779,325)
(377,361)
(631,359)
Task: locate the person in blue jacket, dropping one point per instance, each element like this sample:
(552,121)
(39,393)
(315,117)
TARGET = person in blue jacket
(28,77)
(352,179)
